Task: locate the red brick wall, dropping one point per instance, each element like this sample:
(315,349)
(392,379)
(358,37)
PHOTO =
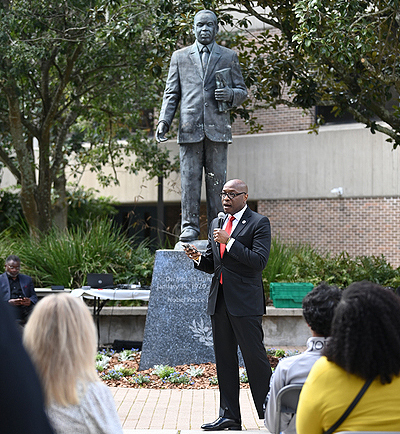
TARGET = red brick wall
(364,226)
(277,120)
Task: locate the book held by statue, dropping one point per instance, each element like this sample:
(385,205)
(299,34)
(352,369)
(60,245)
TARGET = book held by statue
(223,78)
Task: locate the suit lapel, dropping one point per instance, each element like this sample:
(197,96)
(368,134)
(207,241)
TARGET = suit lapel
(195,58)
(22,283)
(214,58)
(215,55)
(242,223)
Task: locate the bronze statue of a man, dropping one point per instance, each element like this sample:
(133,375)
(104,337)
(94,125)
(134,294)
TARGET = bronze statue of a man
(206,79)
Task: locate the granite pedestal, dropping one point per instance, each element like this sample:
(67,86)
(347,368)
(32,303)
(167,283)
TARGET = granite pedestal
(177,329)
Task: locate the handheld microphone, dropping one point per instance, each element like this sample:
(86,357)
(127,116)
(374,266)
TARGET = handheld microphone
(221,219)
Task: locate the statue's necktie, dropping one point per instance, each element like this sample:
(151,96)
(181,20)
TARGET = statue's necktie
(222,246)
(204,57)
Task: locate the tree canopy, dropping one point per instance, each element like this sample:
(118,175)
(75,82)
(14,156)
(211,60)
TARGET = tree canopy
(343,54)
(75,79)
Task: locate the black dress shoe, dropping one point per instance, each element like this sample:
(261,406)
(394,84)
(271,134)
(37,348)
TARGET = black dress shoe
(223,423)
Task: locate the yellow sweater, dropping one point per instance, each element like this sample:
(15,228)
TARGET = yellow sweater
(329,390)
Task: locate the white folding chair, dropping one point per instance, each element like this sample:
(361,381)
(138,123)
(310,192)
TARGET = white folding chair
(286,402)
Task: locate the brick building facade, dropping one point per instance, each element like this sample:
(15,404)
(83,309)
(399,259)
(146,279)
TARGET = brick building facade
(359,226)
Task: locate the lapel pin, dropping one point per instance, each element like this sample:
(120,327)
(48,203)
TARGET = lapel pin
(244,221)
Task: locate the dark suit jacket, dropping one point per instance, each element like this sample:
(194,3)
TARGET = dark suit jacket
(188,85)
(26,285)
(241,267)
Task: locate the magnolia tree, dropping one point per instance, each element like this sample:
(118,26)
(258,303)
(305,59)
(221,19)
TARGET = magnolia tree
(342,53)
(76,77)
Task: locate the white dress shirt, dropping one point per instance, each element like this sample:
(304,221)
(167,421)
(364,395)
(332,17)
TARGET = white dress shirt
(235,222)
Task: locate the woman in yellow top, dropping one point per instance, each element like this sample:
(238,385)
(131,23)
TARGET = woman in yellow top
(364,344)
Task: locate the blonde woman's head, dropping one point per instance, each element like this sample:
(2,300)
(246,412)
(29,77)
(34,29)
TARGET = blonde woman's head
(60,337)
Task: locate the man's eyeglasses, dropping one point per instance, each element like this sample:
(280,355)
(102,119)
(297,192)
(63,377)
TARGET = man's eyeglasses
(230,195)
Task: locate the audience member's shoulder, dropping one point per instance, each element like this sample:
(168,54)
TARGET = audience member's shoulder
(98,389)
(25,277)
(288,362)
(323,367)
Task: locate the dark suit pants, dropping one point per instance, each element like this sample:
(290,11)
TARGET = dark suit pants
(212,156)
(246,331)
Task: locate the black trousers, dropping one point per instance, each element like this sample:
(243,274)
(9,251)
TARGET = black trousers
(212,156)
(246,331)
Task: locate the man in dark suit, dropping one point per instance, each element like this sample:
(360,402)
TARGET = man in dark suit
(17,289)
(204,124)
(237,252)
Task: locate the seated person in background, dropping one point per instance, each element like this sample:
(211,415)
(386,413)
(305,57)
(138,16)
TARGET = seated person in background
(60,337)
(364,345)
(17,289)
(318,309)
(21,398)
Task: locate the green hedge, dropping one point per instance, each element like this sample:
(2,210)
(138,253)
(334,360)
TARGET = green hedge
(303,263)
(64,258)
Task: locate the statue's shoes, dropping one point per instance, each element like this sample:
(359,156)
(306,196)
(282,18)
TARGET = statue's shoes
(188,235)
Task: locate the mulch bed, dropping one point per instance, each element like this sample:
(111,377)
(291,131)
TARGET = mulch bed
(202,382)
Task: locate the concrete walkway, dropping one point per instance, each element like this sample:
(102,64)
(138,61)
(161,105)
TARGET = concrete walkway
(176,411)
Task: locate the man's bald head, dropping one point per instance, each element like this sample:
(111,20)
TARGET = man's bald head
(237,184)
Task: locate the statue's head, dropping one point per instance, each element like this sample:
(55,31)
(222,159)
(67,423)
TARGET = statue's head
(205,26)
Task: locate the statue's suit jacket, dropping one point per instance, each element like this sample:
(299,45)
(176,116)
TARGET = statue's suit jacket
(26,285)
(194,89)
(241,267)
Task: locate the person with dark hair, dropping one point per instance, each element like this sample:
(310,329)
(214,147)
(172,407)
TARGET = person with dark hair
(17,289)
(362,356)
(318,310)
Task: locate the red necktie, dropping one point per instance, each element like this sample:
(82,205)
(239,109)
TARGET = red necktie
(222,246)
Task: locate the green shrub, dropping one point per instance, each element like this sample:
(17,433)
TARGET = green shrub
(112,374)
(11,216)
(194,371)
(140,379)
(83,207)
(213,381)
(177,378)
(302,263)
(128,355)
(163,371)
(282,265)
(243,375)
(65,257)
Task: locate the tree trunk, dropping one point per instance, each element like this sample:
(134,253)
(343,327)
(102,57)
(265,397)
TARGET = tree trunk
(35,199)
(25,160)
(60,207)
